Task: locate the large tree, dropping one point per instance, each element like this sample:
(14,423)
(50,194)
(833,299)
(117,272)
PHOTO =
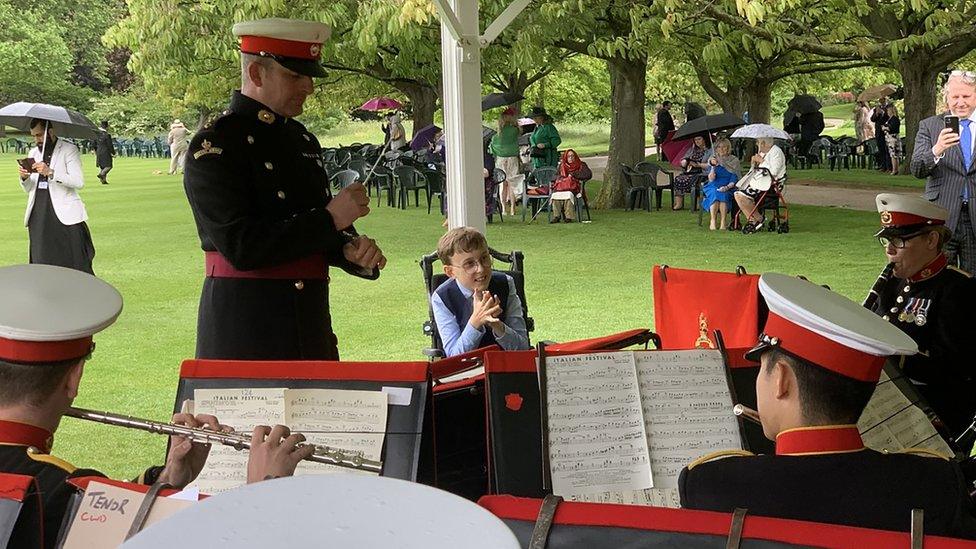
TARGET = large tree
(616,33)
(919,39)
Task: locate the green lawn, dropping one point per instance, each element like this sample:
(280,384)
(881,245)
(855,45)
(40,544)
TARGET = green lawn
(583,280)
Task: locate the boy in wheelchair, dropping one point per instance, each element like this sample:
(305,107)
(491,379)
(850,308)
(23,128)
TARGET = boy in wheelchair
(476,306)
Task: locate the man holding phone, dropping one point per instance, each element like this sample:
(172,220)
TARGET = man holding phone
(944,156)
(56,216)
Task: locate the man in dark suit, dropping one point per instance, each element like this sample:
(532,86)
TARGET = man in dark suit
(664,124)
(945,159)
(821,357)
(268,223)
(880,118)
(930,301)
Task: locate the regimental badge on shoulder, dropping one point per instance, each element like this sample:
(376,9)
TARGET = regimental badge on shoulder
(207,148)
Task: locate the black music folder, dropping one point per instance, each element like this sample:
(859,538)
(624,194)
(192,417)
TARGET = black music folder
(408,447)
(515,428)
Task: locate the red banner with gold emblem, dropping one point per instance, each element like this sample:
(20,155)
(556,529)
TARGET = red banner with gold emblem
(690,305)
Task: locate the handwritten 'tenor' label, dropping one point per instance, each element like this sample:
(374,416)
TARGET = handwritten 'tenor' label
(100,501)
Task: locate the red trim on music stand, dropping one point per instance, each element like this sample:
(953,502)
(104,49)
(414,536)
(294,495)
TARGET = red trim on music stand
(708,523)
(595,343)
(461,383)
(14,487)
(410,372)
(508,362)
(458,363)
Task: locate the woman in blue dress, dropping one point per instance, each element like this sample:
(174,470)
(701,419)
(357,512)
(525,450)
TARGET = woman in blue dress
(723,173)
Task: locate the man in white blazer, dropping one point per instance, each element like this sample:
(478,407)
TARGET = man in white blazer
(55,217)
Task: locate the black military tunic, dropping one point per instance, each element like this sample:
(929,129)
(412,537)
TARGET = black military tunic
(826,475)
(936,308)
(258,190)
(23,451)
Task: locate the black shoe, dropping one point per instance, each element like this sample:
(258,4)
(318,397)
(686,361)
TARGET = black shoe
(555,220)
(568,220)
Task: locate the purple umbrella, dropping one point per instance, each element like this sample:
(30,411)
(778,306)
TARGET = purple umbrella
(381,104)
(424,137)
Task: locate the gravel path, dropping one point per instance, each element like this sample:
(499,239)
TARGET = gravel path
(798,191)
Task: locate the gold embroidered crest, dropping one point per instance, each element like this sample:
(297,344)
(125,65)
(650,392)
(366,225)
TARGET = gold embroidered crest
(207,148)
(703,342)
(885,217)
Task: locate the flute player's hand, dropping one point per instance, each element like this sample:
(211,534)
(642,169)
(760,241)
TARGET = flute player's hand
(274,453)
(185,459)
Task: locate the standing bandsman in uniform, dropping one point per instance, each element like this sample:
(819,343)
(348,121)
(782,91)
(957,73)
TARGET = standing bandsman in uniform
(266,217)
(46,326)
(821,357)
(932,302)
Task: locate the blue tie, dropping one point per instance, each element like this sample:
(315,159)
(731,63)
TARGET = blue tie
(966,142)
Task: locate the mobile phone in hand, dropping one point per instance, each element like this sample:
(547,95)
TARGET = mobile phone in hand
(27,164)
(952,122)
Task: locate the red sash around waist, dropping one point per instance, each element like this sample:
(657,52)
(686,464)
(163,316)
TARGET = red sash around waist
(311,267)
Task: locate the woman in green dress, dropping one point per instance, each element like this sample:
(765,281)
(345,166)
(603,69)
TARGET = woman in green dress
(545,138)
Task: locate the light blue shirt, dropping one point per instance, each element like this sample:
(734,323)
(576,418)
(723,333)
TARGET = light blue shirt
(457,341)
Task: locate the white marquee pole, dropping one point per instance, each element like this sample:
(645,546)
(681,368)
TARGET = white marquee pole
(461,63)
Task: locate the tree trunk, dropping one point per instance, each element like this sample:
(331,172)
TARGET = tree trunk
(918,76)
(737,103)
(759,94)
(627,85)
(423,99)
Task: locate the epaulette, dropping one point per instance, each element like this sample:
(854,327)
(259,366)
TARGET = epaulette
(922,452)
(958,270)
(36,455)
(717,455)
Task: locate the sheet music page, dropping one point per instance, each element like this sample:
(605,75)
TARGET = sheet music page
(242,409)
(597,441)
(687,413)
(354,421)
(891,422)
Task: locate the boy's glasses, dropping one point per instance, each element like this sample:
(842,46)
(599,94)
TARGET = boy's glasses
(471,265)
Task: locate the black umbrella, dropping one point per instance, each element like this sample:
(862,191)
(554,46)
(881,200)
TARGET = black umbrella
(66,122)
(804,104)
(707,125)
(493,100)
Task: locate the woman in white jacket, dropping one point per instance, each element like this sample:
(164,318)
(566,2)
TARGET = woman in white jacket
(55,217)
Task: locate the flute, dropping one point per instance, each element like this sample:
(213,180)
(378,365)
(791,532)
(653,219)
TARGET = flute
(747,413)
(323,454)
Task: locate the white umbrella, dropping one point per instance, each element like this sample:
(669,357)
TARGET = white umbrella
(755,131)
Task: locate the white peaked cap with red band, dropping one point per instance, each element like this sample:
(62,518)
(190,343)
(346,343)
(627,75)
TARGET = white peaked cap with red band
(49,313)
(293,43)
(903,214)
(827,329)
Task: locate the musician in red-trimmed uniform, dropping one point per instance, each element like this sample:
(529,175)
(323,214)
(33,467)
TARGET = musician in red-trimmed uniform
(821,357)
(932,302)
(264,211)
(46,326)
